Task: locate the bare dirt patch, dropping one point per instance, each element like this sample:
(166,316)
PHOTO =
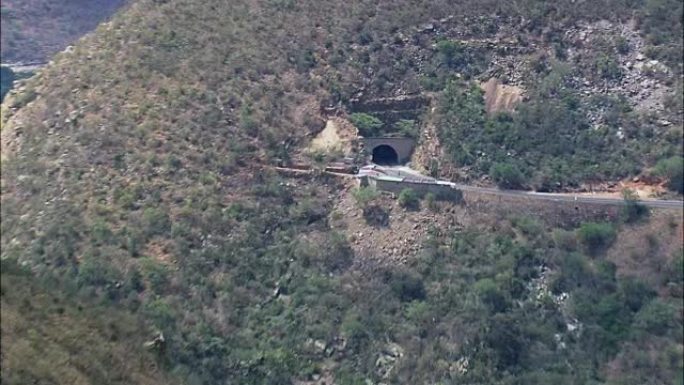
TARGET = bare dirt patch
(337,138)
(501,97)
(614,190)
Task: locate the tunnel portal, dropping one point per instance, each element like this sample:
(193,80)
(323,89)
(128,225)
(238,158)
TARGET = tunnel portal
(385,155)
(389,150)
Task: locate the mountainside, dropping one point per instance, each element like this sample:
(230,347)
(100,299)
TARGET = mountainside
(136,175)
(34,30)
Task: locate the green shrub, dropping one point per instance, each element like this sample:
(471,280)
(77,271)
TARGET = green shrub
(134,281)
(490,294)
(596,236)
(96,271)
(636,293)
(368,125)
(449,51)
(673,170)
(656,317)
(160,313)
(354,330)
(156,275)
(408,199)
(674,271)
(156,221)
(100,232)
(364,196)
(529,226)
(507,176)
(407,286)
(607,67)
(622,45)
(434,167)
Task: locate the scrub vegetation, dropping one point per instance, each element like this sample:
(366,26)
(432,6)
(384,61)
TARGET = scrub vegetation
(137,202)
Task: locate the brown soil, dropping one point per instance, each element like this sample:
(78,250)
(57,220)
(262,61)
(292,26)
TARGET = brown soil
(500,97)
(337,135)
(614,190)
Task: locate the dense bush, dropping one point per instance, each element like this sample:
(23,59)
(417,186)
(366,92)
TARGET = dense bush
(658,317)
(368,125)
(364,196)
(490,294)
(409,199)
(507,176)
(673,170)
(596,237)
(407,286)
(458,57)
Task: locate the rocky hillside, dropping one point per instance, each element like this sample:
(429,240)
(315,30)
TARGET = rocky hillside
(34,30)
(136,175)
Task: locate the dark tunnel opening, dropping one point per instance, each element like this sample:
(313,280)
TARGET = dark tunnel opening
(385,155)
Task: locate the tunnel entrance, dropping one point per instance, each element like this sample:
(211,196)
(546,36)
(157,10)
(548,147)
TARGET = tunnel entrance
(385,155)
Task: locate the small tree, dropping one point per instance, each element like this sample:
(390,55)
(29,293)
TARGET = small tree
(451,52)
(596,236)
(408,199)
(673,170)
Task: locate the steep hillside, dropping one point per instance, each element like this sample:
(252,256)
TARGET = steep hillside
(136,169)
(34,30)
(52,337)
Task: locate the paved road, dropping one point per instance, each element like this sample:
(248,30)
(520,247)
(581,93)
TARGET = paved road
(554,197)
